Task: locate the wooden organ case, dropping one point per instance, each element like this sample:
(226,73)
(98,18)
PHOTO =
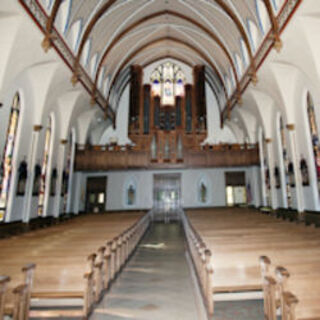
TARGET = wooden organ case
(165,131)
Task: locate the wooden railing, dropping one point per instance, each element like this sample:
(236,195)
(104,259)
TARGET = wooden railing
(97,158)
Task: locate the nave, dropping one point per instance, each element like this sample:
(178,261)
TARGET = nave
(211,264)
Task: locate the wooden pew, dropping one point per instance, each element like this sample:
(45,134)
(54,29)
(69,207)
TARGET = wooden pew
(3,291)
(63,272)
(238,237)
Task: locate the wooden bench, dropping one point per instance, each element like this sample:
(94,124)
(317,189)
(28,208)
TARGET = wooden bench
(238,237)
(75,261)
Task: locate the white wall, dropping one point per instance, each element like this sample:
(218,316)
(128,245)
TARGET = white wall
(215,179)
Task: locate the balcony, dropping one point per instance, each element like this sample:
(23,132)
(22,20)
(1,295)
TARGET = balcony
(105,158)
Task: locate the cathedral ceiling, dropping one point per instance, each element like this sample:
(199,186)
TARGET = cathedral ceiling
(106,36)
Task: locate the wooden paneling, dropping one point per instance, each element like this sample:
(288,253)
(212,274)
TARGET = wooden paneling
(99,158)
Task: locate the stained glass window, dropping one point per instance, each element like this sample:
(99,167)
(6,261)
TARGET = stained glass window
(168,82)
(66,175)
(285,162)
(314,137)
(267,173)
(44,169)
(7,165)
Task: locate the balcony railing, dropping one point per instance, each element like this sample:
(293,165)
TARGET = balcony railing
(104,158)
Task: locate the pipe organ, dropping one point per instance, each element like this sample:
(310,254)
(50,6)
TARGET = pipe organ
(167,129)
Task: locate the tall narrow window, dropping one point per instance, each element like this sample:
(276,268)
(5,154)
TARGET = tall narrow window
(314,137)
(44,169)
(267,173)
(168,82)
(285,162)
(7,165)
(66,175)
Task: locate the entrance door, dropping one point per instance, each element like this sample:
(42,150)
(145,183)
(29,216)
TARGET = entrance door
(236,193)
(166,195)
(96,194)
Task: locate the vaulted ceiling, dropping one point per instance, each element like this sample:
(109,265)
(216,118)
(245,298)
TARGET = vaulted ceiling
(107,36)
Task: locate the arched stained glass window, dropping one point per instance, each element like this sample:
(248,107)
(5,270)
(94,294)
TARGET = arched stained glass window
(285,162)
(314,136)
(44,169)
(266,172)
(66,173)
(7,165)
(168,82)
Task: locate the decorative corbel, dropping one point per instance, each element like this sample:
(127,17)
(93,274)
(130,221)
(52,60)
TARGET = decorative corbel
(46,44)
(75,77)
(63,141)
(291,127)
(37,128)
(253,77)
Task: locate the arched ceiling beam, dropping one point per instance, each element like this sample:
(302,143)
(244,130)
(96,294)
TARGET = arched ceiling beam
(136,24)
(90,27)
(275,26)
(107,5)
(156,41)
(242,31)
(167,56)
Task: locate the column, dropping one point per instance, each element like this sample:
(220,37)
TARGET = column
(271,171)
(70,180)
(262,173)
(297,175)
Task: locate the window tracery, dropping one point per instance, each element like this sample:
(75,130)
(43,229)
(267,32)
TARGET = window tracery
(44,169)
(168,82)
(314,136)
(7,165)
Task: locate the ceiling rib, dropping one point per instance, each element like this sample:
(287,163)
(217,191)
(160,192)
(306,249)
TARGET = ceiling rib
(136,24)
(156,41)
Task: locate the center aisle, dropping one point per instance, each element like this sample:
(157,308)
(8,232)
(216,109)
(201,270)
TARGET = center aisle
(157,282)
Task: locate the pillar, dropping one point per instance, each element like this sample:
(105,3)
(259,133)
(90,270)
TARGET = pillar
(297,175)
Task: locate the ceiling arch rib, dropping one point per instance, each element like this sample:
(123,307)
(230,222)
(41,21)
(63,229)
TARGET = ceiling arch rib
(141,21)
(194,49)
(241,29)
(147,63)
(233,12)
(164,39)
(114,62)
(126,79)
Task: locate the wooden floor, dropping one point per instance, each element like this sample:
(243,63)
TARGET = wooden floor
(237,239)
(60,252)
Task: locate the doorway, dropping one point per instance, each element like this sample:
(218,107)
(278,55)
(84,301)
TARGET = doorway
(166,195)
(236,192)
(96,194)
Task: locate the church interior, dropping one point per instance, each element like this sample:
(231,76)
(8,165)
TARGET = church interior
(152,154)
